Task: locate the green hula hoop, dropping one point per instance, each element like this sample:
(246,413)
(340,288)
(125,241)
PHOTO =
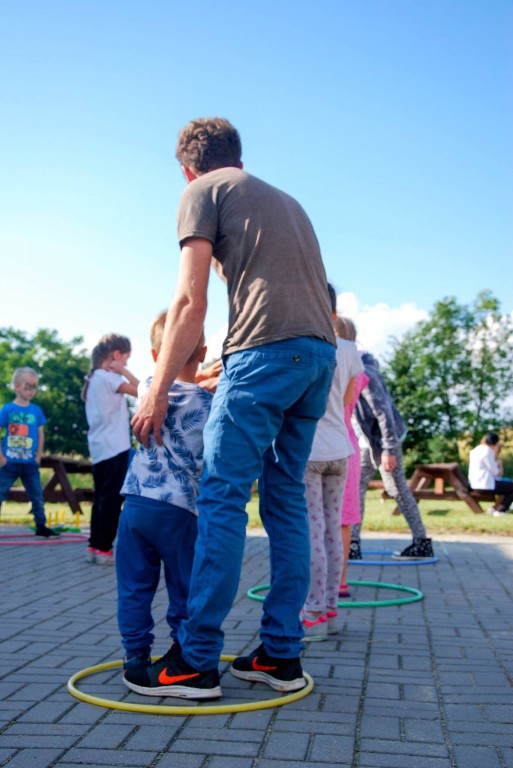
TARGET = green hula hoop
(155,709)
(416,595)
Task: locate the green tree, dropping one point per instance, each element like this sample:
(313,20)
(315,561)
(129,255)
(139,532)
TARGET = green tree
(62,366)
(451,375)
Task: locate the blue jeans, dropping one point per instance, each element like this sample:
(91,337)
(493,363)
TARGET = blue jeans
(261,425)
(151,532)
(28,472)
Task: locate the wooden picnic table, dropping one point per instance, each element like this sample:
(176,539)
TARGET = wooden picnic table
(58,488)
(445,481)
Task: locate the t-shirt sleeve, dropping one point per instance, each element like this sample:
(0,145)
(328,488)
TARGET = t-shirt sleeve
(197,213)
(355,361)
(114,381)
(4,419)
(41,418)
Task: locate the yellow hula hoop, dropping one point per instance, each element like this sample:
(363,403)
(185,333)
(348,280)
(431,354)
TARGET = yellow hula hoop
(154,709)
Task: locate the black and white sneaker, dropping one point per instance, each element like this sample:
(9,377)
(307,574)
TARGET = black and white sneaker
(418,550)
(45,532)
(172,676)
(283,675)
(355,553)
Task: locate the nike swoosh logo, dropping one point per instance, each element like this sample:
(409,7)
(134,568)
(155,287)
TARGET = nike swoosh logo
(166,679)
(260,668)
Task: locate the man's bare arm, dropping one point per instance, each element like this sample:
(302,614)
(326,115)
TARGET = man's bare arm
(184,323)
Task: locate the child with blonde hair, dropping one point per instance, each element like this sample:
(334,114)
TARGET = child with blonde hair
(350,513)
(325,479)
(22,445)
(108,438)
(158,524)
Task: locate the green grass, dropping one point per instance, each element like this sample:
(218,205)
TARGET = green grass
(438,516)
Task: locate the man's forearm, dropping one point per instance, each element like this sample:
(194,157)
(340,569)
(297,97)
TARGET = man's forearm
(183,327)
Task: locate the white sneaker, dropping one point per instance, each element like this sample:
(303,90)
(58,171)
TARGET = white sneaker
(495,512)
(105,558)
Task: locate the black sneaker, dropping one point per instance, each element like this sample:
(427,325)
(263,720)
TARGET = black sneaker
(172,676)
(142,659)
(419,549)
(355,553)
(283,675)
(45,532)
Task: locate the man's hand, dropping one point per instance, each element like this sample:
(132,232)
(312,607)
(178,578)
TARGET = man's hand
(149,418)
(389,463)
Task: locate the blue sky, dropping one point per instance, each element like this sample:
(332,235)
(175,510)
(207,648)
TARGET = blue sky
(389,120)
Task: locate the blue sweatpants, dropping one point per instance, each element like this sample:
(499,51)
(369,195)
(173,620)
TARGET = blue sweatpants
(150,533)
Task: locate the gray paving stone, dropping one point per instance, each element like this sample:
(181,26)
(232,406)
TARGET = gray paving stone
(5,754)
(380,727)
(306,764)
(377,760)
(477,757)
(33,758)
(110,757)
(107,736)
(287,748)
(229,762)
(43,740)
(331,748)
(181,761)
(399,748)
(207,747)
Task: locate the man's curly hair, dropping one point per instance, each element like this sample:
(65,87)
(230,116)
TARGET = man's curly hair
(207,144)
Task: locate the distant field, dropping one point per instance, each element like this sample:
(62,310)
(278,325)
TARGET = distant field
(438,516)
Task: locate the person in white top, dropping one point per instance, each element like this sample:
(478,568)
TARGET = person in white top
(325,479)
(108,438)
(485,472)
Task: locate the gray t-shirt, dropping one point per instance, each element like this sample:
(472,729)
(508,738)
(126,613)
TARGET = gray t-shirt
(266,251)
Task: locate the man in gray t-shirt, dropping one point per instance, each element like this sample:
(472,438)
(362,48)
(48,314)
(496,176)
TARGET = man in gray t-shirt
(278,362)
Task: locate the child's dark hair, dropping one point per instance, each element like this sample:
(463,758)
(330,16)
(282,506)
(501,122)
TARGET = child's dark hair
(491,438)
(333,297)
(111,342)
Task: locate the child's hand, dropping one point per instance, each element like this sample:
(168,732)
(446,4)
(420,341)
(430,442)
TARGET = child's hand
(210,384)
(116,366)
(3,461)
(210,372)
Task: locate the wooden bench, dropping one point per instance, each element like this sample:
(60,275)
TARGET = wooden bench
(445,481)
(58,488)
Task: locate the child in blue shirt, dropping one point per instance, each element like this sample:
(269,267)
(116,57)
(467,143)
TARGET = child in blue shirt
(22,445)
(158,523)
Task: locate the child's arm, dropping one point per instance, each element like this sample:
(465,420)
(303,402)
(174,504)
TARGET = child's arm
(40,444)
(3,426)
(349,393)
(129,388)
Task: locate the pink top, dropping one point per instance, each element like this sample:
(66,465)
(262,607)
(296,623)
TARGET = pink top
(351,504)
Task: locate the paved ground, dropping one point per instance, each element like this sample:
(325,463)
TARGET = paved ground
(424,685)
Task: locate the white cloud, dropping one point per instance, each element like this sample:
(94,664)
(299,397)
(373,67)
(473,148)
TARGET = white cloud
(215,343)
(377,323)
